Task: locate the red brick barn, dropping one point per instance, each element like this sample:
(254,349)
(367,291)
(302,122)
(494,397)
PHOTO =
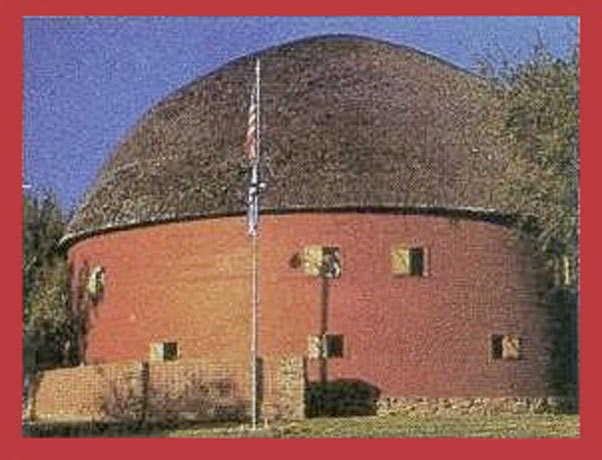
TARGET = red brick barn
(383,257)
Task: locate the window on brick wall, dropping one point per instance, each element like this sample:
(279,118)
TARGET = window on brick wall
(408,261)
(324,261)
(506,347)
(96,283)
(333,346)
(170,351)
(164,351)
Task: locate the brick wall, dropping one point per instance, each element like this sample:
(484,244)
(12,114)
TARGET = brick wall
(190,389)
(429,336)
(198,390)
(85,392)
(204,390)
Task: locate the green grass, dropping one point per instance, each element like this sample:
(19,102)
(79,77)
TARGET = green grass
(393,426)
(523,426)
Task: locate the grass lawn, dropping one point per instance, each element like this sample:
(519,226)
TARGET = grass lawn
(393,426)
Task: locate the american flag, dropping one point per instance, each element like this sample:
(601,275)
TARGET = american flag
(252,150)
(251,140)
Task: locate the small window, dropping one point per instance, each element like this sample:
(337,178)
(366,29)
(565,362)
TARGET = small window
(96,283)
(416,261)
(170,351)
(164,351)
(333,346)
(323,261)
(506,347)
(496,346)
(408,261)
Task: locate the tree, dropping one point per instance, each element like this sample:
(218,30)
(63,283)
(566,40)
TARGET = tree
(47,318)
(47,331)
(538,128)
(42,228)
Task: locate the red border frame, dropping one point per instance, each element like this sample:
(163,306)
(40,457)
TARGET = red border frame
(11,44)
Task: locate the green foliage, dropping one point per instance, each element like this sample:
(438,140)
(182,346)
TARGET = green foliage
(536,124)
(42,228)
(48,310)
(538,131)
(564,372)
(543,129)
(47,330)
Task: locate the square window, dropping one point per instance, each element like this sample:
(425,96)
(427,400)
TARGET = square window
(170,351)
(506,347)
(416,261)
(333,345)
(496,346)
(324,261)
(331,262)
(163,351)
(96,283)
(409,261)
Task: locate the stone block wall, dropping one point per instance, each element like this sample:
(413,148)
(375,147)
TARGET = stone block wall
(476,405)
(284,396)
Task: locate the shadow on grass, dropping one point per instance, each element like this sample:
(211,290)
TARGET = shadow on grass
(115,429)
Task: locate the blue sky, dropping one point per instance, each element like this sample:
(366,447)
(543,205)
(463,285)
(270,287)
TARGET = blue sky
(88,80)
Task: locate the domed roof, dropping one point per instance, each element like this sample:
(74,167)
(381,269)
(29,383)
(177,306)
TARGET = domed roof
(347,123)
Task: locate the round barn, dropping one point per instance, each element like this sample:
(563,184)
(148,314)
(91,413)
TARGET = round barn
(383,258)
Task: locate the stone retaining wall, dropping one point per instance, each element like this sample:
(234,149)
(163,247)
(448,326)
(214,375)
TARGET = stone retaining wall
(285,389)
(477,405)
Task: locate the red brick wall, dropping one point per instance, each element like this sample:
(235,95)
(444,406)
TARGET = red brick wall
(199,389)
(169,283)
(82,392)
(190,283)
(131,390)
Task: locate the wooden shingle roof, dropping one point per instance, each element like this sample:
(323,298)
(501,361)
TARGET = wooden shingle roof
(347,122)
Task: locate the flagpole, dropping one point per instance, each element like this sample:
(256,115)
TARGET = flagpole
(254,333)
(255,275)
